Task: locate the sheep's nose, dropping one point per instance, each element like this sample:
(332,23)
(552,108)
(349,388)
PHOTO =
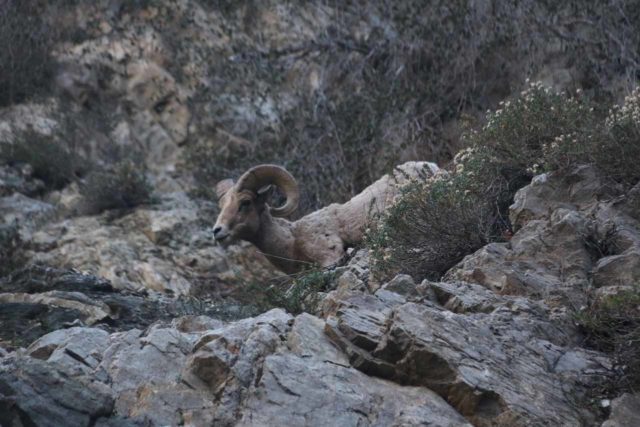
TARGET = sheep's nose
(220,232)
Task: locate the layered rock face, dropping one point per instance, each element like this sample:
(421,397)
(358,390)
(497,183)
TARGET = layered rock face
(493,344)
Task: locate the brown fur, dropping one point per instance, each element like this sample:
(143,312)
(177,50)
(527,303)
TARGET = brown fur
(321,237)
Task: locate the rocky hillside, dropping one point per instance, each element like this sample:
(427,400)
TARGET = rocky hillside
(495,343)
(503,292)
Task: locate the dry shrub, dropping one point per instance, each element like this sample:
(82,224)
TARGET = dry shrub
(26,65)
(522,131)
(296,293)
(394,73)
(612,324)
(542,130)
(123,185)
(53,160)
(617,152)
(435,223)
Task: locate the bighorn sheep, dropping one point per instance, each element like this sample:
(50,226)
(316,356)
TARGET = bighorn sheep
(321,237)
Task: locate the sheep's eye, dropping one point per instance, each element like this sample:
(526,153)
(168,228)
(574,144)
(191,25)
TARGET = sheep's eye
(244,205)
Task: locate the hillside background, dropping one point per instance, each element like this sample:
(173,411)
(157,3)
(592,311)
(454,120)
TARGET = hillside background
(117,118)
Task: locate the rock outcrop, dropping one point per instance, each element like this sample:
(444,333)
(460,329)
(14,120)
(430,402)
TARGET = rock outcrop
(123,318)
(492,344)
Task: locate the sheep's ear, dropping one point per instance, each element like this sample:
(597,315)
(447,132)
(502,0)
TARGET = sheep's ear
(265,192)
(223,186)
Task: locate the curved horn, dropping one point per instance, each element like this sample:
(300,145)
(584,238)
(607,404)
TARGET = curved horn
(263,175)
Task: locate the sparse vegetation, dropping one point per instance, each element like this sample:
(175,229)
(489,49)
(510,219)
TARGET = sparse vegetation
(124,185)
(26,65)
(52,160)
(387,93)
(296,294)
(10,245)
(612,324)
(524,132)
(618,151)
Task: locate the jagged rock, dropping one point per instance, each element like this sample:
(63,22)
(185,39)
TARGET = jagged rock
(625,411)
(28,213)
(402,284)
(241,373)
(18,180)
(89,310)
(68,346)
(163,226)
(502,367)
(39,300)
(545,257)
(295,391)
(168,249)
(567,223)
(463,297)
(34,392)
(580,189)
(195,324)
(618,270)
(31,116)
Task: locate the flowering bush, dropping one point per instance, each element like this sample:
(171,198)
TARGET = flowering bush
(436,222)
(617,152)
(538,130)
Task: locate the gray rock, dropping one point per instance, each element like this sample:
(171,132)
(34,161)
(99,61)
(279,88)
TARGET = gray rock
(38,300)
(34,392)
(296,391)
(402,284)
(625,411)
(70,346)
(463,297)
(580,188)
(18,180)
(314,385)
(493,368)
(618,270)
(308,340)
(27,212)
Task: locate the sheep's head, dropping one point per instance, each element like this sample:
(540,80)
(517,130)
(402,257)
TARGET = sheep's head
(243,203)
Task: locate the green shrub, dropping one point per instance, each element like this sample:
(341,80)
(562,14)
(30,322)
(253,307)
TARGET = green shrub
(55,163)
(436,222)
(123,185)
(26,65)
(612,325)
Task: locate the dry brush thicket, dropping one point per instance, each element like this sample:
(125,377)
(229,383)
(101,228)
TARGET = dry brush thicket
(395,93)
